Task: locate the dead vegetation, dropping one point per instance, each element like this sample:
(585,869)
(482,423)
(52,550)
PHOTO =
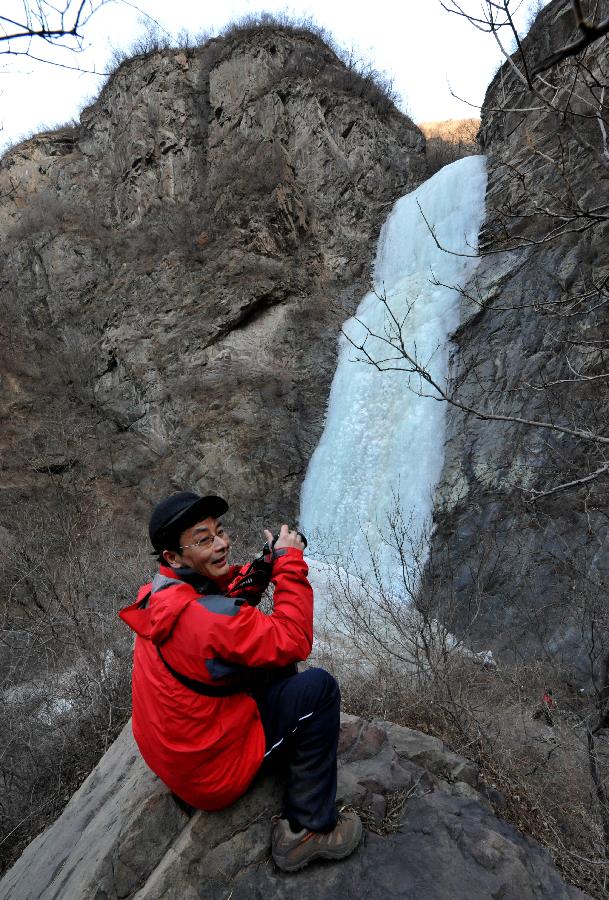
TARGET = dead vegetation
(341,67)
(449,140)
(65,660)
(396,661)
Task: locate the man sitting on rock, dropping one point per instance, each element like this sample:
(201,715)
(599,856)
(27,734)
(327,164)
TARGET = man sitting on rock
(215,687)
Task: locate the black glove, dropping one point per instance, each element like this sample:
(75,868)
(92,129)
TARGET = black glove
(252,579)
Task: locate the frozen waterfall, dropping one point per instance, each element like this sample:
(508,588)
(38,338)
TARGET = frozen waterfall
(382,447)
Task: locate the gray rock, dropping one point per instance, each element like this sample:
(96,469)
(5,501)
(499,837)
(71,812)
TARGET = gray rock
(122,835)
(445,848)
(176,269)
(513,566)
(432,753)
(111,832)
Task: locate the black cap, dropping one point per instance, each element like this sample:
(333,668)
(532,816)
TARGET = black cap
(174,515)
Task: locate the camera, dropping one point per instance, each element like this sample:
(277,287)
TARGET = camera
(266,549)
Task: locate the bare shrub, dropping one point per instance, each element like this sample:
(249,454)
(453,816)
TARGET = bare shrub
(48,213)
(152,39)
(65,659)
(449,141)
(165,228)
(364,81)
(45,211)
(254,168)
(402,650)
(349,73)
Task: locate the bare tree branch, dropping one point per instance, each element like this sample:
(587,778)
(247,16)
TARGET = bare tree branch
(396,342)
(567,485)
(45,22)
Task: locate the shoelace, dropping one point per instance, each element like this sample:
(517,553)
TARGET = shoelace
(339,818)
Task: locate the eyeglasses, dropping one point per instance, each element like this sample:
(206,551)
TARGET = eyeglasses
(205,543)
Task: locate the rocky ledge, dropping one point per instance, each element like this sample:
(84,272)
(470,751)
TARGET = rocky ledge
(430,833)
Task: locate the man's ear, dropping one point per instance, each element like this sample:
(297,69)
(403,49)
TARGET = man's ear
(171,558)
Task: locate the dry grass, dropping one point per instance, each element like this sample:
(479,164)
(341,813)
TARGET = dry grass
(394,813)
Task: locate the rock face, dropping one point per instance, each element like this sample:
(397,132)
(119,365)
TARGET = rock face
(533,319)
(175,270)
(431,834)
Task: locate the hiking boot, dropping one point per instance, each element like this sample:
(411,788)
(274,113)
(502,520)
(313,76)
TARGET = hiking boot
(292,850)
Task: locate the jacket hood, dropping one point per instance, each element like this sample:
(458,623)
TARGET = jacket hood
(158,606)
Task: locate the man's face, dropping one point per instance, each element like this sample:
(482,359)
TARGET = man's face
(204,547)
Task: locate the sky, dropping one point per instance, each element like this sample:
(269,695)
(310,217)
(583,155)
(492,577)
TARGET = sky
(425,50)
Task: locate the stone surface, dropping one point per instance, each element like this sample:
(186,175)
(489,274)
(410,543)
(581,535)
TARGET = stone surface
(512,565)
(431,753)
(123,836)
(175,270)
(120,820)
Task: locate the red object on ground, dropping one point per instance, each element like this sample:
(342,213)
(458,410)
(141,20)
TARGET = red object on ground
(548,700)
(208,749)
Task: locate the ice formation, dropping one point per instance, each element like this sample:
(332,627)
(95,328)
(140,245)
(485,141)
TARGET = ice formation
(382,447)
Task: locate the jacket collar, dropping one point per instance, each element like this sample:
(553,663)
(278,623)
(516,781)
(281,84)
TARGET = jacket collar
(200,583)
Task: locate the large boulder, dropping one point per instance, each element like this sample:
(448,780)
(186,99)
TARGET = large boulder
(429,835)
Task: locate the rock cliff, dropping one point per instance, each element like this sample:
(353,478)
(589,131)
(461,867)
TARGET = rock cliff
(431,834)
(532,344)
(175,269)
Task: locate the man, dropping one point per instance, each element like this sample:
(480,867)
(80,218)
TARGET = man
(546,707)
(215,691)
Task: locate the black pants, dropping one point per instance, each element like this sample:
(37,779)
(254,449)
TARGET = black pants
(301,720)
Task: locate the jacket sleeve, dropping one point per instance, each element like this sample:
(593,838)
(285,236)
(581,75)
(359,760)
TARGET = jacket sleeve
(253,638)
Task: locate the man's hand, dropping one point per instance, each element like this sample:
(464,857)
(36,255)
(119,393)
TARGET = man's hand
(286,538)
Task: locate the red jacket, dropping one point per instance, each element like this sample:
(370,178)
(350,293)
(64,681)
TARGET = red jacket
(208,749)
